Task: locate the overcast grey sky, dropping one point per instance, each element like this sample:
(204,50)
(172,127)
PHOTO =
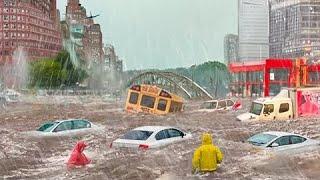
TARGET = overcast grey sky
(164,33)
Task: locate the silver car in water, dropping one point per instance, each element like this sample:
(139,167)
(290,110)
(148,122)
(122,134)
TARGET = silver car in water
(282,141)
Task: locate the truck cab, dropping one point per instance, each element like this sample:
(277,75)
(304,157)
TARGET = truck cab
(276,108)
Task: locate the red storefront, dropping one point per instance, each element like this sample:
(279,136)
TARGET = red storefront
(266,78)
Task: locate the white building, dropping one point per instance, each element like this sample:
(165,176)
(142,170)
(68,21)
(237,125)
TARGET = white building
(253,30)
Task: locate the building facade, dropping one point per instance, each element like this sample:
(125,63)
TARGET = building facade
(112,61)
(253,30)
(231,48)
(85,32)
(294,28)
(31,25)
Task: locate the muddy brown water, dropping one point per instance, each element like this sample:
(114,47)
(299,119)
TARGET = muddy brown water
(24,157)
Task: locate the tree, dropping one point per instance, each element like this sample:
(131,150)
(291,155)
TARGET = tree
(46,73)
(74,74)
(53,73)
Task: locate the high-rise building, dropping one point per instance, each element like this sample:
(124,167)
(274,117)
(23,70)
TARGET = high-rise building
(231,48)
(89,35)
(253,30)
(112,61)
(294,28)
(30,25)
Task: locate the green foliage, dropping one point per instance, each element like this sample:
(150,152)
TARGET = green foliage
(74,74)
(53,73)
(46,73)
(213,76)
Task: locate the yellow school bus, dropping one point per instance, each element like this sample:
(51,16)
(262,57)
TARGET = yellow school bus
(153,100)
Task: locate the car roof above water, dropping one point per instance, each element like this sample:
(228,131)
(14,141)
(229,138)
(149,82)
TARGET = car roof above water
(66,120)
(152,128)
(279,133)
(215,100)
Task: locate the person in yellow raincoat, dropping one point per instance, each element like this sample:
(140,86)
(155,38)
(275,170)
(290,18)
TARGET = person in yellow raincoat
(207,156)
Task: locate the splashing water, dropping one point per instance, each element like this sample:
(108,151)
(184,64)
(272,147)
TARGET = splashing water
(15,73)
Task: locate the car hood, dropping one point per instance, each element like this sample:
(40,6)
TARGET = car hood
(247,117)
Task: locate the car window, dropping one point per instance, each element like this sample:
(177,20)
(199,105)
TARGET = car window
(47,127)
(133,98)
(297,139)
(174,133)
(222,104)
(268,108)
(261,139)
(162,105)
(64,126)
(282,141)
(137,135)
(284,108)
(162,135)
(147,101)
(208,105)
(80,124)
(230,103)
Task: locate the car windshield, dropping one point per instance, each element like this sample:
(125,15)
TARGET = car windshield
(256,108)
(47,127)
(137,135)
(209,105)
(261,139)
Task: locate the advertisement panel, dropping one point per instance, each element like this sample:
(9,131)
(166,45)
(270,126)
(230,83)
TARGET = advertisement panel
(308,102)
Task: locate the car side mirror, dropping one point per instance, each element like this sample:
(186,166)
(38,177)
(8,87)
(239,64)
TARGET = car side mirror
(275,145)
(183,134)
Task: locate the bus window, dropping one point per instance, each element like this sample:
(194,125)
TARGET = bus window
(175,106)
(147,101)
(133,98)
(162,105)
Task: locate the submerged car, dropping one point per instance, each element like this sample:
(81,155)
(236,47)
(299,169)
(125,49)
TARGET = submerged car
(214,105)
(11,96)
(280,141)
(72,125)
(148,137)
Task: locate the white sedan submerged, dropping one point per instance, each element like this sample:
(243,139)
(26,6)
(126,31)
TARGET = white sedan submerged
(150,137)
(280,141)
(65,126)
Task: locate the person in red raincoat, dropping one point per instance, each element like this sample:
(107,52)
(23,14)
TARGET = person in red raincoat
(78,158)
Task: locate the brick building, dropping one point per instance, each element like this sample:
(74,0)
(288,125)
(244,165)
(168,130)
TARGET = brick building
(33,25)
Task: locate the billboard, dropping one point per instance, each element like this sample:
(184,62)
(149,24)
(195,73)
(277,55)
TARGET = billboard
(308,103)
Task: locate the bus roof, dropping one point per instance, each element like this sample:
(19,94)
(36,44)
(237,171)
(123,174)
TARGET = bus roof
(154,90)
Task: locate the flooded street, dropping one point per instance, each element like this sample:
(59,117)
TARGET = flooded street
(26,157)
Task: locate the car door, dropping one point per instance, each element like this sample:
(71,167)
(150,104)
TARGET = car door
(268,112)
(230,104)
(297,141)
(66,126)
(284,111)
(162,138)
(222,105)
(283,142)
(175,135)
(81,125)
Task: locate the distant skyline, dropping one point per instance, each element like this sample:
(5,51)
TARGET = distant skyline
(164,33)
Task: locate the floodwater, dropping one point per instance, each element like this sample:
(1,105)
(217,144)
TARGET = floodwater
(26,157)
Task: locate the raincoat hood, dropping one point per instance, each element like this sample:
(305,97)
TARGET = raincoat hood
(206,139)
(80,147)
